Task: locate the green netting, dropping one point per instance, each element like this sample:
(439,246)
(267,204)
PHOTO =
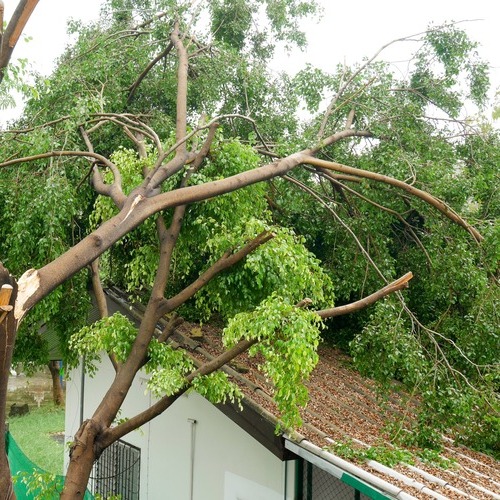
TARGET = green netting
(21,466)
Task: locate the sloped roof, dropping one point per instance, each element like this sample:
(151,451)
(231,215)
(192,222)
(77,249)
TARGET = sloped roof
(53,345)
(343,406)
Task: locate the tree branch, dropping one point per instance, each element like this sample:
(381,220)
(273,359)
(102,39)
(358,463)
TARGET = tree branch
(111,435)
(113,190)
(131,122)
(10,37)
(148,68)
(424,196)
(415,237)
(343,134)
(182,79)
(226,261)
(395,286)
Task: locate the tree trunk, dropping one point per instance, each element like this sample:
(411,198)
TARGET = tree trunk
(57,389)
(8,331)
(82,457)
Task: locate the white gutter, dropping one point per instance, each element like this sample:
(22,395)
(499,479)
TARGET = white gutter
(339,467)
(437,480)
(410,481)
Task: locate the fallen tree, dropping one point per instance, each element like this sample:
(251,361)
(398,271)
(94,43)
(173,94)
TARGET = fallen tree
(196,218)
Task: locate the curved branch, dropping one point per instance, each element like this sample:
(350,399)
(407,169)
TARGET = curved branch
(114,190)
(343,134)
(398,216)
(418,193)
(148,68)
(205,149)
(36,127)
(55,154)
(131,122)
(160,173)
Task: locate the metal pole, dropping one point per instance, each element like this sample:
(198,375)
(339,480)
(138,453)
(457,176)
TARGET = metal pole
(192,421)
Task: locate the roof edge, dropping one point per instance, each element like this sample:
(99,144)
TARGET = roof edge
(347,472)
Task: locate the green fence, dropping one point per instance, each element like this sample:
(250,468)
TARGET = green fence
(21,466)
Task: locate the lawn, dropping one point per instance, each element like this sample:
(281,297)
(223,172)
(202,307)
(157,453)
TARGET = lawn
(36,434)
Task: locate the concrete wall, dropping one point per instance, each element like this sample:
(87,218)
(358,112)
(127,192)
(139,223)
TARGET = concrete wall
(191,452)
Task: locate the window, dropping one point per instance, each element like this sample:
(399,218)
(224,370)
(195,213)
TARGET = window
(316,484)
(117,472)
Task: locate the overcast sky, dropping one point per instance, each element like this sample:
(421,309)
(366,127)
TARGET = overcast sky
(347,31)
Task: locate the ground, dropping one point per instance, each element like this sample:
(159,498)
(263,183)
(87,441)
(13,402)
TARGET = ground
(40,433)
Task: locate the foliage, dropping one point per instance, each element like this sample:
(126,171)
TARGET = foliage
(110,334)
(44,485)
(288,338)
(389,455)
(395,352)
(41,216)
(217,388)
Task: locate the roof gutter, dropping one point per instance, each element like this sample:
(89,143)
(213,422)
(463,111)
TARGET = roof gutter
(347,472)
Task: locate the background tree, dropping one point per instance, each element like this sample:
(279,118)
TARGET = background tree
(178,130)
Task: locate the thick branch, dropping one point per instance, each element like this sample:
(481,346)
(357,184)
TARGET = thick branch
(173,322)
(112,434)
(10,37)
(159,407)
(206,146)
(137,208)
(395,286)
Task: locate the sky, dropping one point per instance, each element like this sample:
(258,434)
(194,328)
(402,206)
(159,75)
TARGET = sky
(346,32)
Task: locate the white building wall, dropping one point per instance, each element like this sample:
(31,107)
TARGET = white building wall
(190,452)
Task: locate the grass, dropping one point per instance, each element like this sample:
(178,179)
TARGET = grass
(33,433)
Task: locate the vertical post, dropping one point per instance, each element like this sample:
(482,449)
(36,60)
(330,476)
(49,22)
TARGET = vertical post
(299,479)
(192,421)
(82,390)
(309,484)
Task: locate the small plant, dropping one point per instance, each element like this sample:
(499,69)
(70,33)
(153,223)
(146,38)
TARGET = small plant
(389,455)
(433,457)
(41,485)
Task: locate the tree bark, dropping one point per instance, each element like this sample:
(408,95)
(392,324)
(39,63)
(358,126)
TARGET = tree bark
(8,331)
(57,389)
(82,457)
(9,37)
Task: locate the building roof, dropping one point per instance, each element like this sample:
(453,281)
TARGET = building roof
(343,408)
(53,343)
